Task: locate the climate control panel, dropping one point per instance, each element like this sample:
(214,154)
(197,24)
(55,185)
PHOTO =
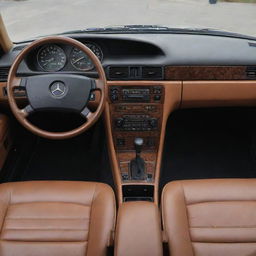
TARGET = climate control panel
(136,123)
(136,111)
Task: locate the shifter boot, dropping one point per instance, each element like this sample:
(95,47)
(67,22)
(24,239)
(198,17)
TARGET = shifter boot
(137,169)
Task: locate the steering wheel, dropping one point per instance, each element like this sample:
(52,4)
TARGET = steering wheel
(57,91)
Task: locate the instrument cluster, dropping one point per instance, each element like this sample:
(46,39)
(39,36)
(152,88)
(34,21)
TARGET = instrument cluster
(53,57)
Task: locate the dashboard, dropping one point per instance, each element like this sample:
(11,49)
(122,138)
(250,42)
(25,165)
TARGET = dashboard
(144,57)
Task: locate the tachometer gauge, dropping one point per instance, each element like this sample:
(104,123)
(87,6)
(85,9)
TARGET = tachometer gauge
(81,61)
(51,58)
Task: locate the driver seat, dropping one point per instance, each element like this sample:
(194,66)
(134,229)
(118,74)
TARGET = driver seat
(57,218)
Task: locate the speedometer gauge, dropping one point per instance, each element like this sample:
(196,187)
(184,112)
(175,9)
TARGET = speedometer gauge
(51,58)
(81,61)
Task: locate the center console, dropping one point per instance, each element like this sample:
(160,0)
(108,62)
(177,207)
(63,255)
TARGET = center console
(136,120)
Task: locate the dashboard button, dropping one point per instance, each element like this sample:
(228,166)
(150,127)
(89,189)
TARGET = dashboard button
(157,97)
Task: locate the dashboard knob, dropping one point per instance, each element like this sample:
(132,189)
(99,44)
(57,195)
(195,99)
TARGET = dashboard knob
(114,97)
(119,122)
(153,122)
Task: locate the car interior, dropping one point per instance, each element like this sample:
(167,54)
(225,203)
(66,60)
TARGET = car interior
(128,144)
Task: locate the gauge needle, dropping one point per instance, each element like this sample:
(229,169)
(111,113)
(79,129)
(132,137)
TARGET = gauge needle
(78,60)
(51,59)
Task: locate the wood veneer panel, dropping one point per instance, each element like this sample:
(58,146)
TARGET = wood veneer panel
(186,73)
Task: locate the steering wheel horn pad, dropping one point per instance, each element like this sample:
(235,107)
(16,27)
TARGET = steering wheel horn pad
(58,92)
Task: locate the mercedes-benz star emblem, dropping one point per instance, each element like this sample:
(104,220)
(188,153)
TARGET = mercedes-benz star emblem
(58,89)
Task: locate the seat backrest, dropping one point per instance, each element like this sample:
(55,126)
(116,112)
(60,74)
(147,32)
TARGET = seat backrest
(57,218)
(210,217)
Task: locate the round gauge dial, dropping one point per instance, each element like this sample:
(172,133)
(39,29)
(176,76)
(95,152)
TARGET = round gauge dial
(51,58)
(81,61)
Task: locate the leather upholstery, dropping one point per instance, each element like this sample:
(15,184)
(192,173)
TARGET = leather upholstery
(210,217)
(57,218)
(138,230)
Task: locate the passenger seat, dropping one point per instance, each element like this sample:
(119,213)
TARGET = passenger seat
(210,217)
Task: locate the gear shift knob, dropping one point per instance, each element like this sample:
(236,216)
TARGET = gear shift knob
(138,143)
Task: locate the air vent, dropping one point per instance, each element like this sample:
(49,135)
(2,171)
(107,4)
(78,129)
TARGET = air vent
(152,73)
(135,73)
(4,73)
(251,72)
(118,72)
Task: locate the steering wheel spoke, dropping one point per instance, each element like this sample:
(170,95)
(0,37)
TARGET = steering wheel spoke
(19,82)
(86,113)
(25,112)
(99,85)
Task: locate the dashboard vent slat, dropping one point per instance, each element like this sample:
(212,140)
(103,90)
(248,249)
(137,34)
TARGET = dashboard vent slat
(4,71)
(251,72)
(118,72)
(135,72)
(152,72)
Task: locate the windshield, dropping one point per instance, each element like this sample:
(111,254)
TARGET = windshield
(26,19)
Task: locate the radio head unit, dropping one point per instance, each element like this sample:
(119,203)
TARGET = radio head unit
(130,94)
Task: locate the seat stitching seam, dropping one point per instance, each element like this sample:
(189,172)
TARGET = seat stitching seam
(54,202)
(46,241)
(47,229)
(90,218)
(221,201)
(5,214)
(185,201)
(47,218)
(223,227)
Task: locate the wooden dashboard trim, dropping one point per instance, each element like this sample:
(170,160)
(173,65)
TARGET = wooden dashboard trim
(2,86)
(188,73)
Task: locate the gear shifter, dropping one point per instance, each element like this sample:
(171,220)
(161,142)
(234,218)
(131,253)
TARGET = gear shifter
(137,165)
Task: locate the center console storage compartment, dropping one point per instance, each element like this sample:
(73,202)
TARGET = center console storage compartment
(138,193)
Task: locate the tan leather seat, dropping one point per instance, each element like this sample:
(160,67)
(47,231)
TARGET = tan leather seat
(57,218)
(210,217)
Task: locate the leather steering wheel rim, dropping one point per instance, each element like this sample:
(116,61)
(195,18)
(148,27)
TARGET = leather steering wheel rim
(14,82)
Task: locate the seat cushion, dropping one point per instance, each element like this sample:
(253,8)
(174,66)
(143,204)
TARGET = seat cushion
(57,218)
(210,217)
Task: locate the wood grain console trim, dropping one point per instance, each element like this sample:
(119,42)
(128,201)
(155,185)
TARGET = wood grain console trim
(171,102)
(187,73)
(2,86)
